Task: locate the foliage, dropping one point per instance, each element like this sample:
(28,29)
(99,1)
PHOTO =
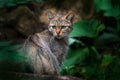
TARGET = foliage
(107,7)
(86,28)
(110,8)
(95,47)
(10,3)
(10,58)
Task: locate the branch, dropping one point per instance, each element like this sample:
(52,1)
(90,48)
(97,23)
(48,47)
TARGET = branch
(30,76)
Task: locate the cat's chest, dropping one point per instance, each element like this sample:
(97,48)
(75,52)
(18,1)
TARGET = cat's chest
(59,47)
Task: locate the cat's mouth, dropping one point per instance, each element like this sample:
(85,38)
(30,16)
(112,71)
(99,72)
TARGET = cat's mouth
(59,37)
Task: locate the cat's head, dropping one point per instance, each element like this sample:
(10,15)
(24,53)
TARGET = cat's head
(60,25)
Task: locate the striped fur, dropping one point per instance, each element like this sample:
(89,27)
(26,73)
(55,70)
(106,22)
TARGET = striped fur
(45,51)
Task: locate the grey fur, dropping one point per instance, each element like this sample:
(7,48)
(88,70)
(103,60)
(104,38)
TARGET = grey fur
(45,52)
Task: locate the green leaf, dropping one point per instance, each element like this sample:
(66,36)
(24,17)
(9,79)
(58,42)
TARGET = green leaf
(10,3)
(102,5)
(107,7)
(85,28)
(22,1)
(107,38)
(118,23)
(1,3)
(39,0)
(89,70)
(73,40)
(101,27)
(107,59)
(10,52)
(2,44)
(114,11)
(76,56)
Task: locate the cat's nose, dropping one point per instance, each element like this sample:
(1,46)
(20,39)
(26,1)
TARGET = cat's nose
(57,31)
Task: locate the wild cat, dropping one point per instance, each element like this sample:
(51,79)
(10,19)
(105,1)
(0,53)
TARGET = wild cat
(46,50)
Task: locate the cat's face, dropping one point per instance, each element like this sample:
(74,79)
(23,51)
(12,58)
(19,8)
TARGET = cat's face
(60,26)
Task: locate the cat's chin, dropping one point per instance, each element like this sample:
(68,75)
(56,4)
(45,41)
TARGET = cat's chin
(59,37)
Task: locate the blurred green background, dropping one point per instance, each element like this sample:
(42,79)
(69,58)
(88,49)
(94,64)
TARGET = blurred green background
(94,52)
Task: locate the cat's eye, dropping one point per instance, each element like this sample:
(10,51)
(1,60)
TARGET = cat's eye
(63,27)
(53,27)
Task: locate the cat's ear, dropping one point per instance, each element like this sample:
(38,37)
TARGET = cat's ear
(50,15)
(70,17)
